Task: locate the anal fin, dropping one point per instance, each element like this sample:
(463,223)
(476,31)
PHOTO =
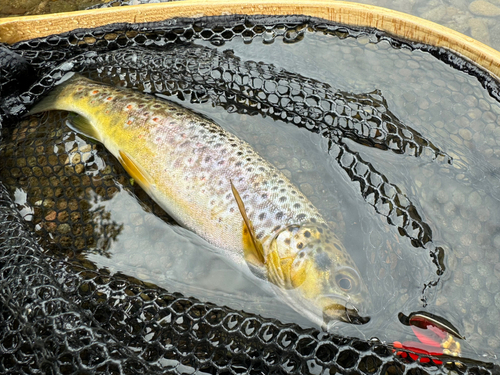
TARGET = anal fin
(82,125)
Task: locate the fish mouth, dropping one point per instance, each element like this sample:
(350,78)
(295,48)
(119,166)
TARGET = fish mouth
(338,308)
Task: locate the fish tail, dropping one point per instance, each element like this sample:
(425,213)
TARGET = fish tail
(62,98)
(57,98)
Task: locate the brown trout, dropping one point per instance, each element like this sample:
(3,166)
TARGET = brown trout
(216,185)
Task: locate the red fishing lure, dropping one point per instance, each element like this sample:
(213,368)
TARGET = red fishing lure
(436,335)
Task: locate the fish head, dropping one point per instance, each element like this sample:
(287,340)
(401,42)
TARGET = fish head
(310,260)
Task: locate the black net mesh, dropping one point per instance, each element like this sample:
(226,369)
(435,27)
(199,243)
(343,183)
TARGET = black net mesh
(62,314)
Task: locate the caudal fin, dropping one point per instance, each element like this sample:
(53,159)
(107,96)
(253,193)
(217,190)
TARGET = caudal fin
(55,99)
(62,98)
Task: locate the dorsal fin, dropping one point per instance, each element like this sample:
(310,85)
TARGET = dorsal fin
(254,254)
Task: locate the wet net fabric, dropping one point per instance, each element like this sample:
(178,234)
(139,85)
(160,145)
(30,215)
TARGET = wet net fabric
(60,317)
(60,314)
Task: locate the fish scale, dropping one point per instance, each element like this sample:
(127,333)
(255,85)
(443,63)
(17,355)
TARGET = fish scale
(216,185)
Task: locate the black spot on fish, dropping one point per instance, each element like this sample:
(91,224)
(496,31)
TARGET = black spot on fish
(313,220)
(262,216)
(279,215)
(301,217)
(260,235)
(282,199)
(300,245)
(319,229)
(276,228)
(238,164)
(323,261)
(307,234)
(337,246)
(264,196)
(296,205)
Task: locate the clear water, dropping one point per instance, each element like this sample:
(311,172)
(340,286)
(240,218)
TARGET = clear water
(460,202)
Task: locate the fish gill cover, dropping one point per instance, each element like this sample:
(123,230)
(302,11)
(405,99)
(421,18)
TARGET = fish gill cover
(63,314)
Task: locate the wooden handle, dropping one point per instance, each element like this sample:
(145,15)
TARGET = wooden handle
(398,24)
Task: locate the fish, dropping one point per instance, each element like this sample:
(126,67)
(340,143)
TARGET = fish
(216,185)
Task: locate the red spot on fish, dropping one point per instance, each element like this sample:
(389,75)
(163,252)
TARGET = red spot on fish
(129,106)
(140,136)
(129,122)
(95,92)
(155,119)
(109,98)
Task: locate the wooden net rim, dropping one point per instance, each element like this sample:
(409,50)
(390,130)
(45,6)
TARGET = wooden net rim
(395,23)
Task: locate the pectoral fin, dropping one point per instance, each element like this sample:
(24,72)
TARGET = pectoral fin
(136,171)
(254,253)
(278,269)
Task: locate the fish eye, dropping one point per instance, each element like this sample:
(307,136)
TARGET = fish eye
(344,282)
(347,279)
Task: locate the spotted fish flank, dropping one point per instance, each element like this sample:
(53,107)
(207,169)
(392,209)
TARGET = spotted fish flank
(215,184)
